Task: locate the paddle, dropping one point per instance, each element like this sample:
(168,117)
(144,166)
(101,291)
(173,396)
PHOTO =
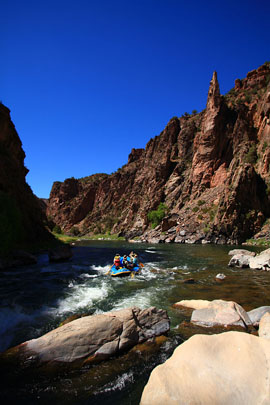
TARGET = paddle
(108,272)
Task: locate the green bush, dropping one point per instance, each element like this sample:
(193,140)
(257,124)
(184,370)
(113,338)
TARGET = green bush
(251,156)
(57,229)
(201,202)
(155,217)
(74,231)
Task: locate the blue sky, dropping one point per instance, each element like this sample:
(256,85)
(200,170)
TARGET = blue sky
(86,81)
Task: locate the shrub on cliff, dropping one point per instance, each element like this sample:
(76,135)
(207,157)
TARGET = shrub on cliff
(251,156)
(156,216)
(74,231)
(57,229)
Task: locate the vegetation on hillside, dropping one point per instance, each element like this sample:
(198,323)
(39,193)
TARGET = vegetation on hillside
(156,216)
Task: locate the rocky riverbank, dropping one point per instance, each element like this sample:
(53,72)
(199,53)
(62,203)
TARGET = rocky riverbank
(227,368)
(244,258)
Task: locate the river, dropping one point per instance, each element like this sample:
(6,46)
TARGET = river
(36,299)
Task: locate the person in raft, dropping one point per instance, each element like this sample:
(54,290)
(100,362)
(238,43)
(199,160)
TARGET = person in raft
(125,261)
(135,261)
(130,261)
(117,261)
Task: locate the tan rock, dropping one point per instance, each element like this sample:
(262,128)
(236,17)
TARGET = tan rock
(239,260)
(255,315)
(220,312)
(96,337)
(264,327)
(193,304)
(241,252)
(261,261)
(229,368)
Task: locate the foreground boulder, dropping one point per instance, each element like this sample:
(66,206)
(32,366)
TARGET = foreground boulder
(229,368)
(264,327)
(94,338)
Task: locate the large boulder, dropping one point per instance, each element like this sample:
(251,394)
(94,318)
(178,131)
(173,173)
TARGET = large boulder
(261,261)
(94,338)
(219,312)
(264,327)
(256,314)
(229,368)
(241,252)
(239,260)
(216,313)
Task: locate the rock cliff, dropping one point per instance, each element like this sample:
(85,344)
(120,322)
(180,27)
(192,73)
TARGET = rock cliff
(210,169)
(21,219)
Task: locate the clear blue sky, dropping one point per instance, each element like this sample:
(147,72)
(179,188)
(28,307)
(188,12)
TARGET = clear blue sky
(86,81)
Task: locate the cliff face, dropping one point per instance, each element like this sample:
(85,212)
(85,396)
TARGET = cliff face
(210,169)
(21,219)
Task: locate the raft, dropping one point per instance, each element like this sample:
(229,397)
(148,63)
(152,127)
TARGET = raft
(122,271)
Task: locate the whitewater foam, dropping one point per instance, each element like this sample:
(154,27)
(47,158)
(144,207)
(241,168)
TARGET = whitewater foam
(101,269)
(119,383)
(79,297)
(141,299)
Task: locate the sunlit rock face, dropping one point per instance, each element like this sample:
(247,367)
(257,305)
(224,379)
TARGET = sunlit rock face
(228,368)
(211,169)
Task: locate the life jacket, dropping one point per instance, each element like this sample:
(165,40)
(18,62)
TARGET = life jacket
(135,261)
(116,261)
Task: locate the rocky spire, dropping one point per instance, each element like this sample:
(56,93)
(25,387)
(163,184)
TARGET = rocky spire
(213,100)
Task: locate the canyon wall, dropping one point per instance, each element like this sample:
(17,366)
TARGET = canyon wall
(21,220)
(210,169)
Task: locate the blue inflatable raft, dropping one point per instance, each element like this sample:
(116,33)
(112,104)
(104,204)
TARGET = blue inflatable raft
(122,271)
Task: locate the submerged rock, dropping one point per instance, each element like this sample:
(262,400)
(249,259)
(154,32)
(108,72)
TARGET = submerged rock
(220,277)
(229,368)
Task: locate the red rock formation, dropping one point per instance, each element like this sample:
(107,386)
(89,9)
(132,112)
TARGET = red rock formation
(210,169)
